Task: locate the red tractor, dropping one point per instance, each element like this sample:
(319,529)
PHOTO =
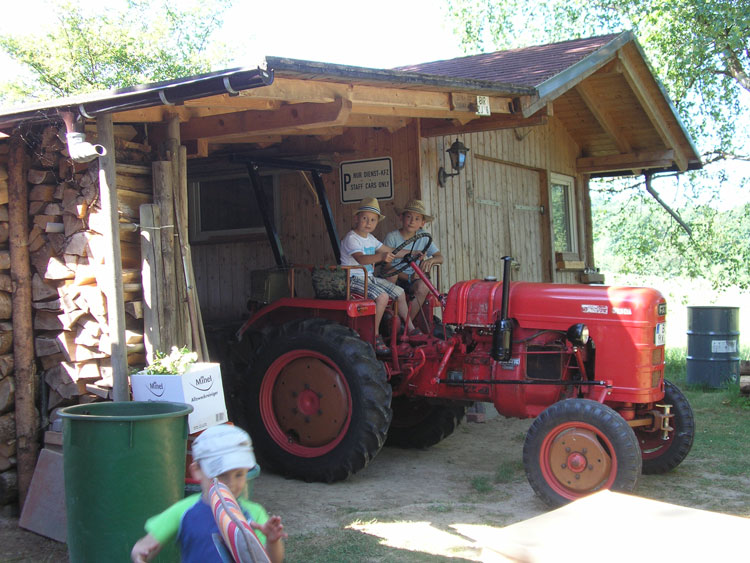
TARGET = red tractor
(586,362)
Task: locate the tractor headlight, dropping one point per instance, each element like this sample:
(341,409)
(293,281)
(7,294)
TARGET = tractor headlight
(578,334)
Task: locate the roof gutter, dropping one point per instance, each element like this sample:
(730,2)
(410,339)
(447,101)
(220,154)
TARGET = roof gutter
(173,92)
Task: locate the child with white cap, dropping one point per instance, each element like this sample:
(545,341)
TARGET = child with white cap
(223,452)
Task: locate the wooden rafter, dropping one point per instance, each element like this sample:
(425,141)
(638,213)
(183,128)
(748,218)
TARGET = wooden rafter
(293,117)
(440,127)
(638,83)
(602,117)
(631,161)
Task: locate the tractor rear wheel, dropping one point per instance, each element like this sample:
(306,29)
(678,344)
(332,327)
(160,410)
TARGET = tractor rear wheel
(577,447)
(318,401)
(417,423)
(660,456)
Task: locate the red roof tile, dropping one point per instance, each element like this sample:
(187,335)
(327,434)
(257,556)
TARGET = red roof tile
(529,66)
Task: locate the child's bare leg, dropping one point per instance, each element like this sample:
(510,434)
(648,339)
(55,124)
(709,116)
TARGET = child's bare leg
(403,312)
(381,301)
(420,294)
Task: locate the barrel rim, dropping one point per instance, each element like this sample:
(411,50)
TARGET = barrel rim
(177,410)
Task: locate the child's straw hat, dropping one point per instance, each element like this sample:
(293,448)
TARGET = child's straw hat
(370,204)
(416,206)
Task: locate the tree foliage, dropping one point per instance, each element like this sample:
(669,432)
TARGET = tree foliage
(700,48)
(639,238)
(143,42)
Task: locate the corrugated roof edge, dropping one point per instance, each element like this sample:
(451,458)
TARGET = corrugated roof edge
(281,65)
(169,92)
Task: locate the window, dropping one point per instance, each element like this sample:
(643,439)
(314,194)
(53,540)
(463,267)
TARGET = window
(562,206)
(223,205)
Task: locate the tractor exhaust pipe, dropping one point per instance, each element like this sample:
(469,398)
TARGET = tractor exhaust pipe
(502,337)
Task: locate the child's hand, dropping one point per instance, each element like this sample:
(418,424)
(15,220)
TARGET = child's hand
(145,549)
(273,529)
(388,257)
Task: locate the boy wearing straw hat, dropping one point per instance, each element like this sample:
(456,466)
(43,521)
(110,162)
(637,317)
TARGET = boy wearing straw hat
(360,248)
(414,216)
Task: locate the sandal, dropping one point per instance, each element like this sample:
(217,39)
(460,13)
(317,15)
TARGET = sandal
(380,348)
(416,332)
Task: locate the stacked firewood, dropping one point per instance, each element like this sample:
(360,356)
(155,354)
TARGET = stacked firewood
(8,476)
(67,250)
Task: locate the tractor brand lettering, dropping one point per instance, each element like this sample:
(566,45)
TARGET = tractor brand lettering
(203,383)
(156,388)
(621,311)
(661,310)
(595,309)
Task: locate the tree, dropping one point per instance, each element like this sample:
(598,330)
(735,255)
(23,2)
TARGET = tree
(115,48)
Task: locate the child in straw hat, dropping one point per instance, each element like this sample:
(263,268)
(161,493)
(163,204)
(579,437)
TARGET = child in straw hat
(414,217)
(360,247)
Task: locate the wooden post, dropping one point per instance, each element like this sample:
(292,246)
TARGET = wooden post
(27,447)
(179,200)
(196,319)
(151,273)
(113,260)
(162,176)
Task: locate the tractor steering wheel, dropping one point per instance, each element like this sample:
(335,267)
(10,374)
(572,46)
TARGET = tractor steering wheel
(406,260)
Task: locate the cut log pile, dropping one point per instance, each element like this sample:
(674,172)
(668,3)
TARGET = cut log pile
(8,475)
(67,253)
(71,338)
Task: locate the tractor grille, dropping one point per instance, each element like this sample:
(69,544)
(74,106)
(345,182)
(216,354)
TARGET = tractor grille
(544,362)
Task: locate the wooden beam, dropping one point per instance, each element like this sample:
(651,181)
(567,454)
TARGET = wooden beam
(112,287)
(23,334)
(441,127)
(602,117)
(290,117)
(630,161)
(637,80)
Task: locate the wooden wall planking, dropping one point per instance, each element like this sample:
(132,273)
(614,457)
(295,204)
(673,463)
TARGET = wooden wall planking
(489,210)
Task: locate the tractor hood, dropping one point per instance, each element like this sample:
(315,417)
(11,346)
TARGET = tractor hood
(553,306)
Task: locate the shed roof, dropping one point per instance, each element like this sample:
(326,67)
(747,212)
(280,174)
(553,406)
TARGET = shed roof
(527,66)
(600,88)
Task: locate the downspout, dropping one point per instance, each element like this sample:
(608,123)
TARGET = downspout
(661,202)
(78,148)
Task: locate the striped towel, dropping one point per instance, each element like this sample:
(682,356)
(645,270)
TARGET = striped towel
(239,537)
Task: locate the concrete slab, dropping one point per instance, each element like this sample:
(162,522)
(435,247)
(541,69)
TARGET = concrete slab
(44,510)
(615,527)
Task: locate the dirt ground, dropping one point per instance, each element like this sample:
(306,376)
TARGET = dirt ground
(456,482)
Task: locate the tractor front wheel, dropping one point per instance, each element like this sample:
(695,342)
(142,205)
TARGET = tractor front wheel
(576,447)
(660,456)
(318,401)
(417,423)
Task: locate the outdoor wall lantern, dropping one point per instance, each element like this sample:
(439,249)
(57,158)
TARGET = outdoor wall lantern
(457,153)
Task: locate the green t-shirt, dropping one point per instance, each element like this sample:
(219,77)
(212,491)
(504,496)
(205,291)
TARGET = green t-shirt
(165,525)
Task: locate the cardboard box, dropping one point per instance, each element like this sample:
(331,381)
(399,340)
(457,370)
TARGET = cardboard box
(199,387)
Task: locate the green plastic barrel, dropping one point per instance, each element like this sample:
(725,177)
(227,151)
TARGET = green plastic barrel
(123,462)
(713,352)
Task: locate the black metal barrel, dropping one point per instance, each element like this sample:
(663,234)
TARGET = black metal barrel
(713,346)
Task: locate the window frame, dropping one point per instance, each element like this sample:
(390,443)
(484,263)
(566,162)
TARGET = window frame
(570,184)
(197,235)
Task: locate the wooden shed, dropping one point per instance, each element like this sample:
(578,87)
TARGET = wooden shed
(97,279)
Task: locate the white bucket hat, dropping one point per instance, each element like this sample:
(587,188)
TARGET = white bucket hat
(223,448)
